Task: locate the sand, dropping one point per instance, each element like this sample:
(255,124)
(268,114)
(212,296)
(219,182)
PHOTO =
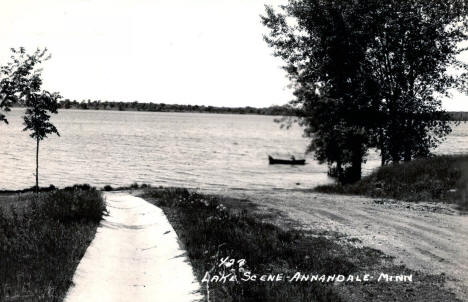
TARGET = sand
(135,256)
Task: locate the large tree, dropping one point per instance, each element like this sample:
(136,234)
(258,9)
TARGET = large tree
(414,59)
(366,73)
(323,44)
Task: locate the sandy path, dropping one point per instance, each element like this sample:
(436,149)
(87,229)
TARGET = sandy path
(135,256)
(427,237)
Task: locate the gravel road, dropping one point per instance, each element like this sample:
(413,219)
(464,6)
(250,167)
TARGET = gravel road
(429,237)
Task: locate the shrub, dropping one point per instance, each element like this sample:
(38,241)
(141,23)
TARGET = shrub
(73,205)
(82,187)
(108,188)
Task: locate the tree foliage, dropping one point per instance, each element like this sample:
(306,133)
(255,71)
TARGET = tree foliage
(39,106)
(324,50)
(18,77)
(415,44)
(370,74)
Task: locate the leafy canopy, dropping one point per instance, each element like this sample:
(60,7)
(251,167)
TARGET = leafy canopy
(24,86)
(19,77)
(370,74)
(37,116)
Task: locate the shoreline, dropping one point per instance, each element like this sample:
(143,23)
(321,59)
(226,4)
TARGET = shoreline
(222,110)
(457,116)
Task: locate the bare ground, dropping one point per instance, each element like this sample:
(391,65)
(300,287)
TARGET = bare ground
(427,237)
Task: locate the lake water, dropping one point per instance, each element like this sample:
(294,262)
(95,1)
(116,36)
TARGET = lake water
(207,151)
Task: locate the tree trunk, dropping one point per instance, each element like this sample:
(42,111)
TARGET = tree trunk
(383,156)
(394,152)
(356,169)
(352,173)
(383,151)
(37,165)
(407,156)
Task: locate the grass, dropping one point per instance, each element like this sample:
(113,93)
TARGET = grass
(43,238)
(439,178)
(212,228)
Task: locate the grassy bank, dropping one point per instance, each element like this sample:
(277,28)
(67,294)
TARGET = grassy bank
(213,228)
(440,178)
(43,238)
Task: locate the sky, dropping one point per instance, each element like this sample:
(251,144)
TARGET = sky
(200,52)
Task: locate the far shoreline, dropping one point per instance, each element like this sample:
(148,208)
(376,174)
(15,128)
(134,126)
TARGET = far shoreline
(274,110)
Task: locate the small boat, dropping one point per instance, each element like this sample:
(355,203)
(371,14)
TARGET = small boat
(291,161)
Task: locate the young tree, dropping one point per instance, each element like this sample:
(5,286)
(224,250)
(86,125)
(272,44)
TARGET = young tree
(39,103)
(36,119)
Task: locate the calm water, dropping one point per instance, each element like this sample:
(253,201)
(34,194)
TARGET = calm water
(170,149)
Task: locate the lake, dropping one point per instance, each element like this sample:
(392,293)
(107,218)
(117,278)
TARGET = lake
(207,151)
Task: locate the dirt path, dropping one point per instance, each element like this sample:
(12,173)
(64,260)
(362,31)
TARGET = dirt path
(135,256)
(432,238)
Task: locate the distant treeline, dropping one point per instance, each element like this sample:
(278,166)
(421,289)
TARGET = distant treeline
(459,116)
(162,107)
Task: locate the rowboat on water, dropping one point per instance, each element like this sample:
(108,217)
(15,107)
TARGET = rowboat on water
(291,161)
